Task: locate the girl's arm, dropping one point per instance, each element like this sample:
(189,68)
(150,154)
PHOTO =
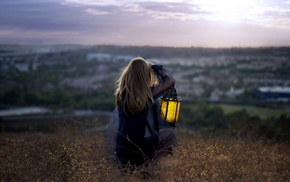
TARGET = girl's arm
(166,81)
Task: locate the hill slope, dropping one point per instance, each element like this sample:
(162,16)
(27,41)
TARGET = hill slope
(67,157)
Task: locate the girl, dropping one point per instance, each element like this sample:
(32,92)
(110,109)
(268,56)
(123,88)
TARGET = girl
(142,134)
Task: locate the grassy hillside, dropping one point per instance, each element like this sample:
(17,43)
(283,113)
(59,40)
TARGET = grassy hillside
(263,113)
(68,157)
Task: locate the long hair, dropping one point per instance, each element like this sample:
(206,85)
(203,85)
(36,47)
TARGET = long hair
(134,86)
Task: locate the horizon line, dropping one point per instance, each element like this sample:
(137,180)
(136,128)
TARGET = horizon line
(128,45)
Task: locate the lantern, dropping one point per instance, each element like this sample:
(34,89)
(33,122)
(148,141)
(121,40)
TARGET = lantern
(170,106)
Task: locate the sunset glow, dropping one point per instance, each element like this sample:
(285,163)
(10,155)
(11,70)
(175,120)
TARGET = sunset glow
(231,11)
(209,23)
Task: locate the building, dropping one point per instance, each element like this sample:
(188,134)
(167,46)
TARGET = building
(275,94)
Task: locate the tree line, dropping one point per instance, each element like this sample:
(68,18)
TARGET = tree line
(212,119)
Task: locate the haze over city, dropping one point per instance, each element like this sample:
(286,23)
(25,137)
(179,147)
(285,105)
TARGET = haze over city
(179,23)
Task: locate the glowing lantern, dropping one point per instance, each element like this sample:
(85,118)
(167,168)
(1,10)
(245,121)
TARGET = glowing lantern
(170,106)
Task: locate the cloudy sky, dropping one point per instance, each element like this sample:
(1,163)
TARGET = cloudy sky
(206,23)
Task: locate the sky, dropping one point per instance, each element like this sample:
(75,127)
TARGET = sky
(177,23)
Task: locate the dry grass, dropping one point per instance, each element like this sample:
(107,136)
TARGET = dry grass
(59,157)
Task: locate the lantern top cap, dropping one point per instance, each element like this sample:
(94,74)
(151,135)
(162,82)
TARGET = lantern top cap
(171,95)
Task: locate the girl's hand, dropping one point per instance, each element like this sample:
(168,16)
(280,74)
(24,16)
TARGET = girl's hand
(157,68)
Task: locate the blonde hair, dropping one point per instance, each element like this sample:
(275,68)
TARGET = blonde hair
(134,86)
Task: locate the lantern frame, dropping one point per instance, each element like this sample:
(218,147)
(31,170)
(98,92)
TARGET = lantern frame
(169,102)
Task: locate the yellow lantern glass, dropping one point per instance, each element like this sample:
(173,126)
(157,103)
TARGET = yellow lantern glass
(170,106)
(170,110)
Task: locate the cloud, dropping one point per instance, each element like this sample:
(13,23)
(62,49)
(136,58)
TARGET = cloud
(96,12)
(116,2)
(158,9)
(39,15)
(168,10)
(247,11)
(275,16)
(92,2)
(167,7)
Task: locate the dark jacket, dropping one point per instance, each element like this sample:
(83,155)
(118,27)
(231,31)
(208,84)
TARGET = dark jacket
(134,145)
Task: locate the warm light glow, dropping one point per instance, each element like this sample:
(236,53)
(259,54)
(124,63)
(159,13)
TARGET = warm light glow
(231,10)
(178,111)
(173,109)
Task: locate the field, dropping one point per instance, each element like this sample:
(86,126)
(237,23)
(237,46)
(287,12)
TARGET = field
(72,157)
(263,113)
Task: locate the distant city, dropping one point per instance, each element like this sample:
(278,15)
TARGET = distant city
(215,75)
